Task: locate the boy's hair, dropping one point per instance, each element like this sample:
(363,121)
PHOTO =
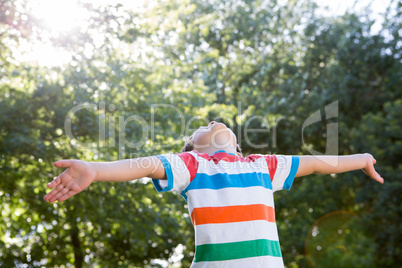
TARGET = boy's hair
(189,146)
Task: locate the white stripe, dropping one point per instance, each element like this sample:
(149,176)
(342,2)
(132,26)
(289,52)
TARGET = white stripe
(181,175)
(282,171)
(229,197)
(235,232)
(255,262)
(163,183)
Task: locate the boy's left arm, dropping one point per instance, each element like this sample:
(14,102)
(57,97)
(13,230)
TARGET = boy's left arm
(330,164)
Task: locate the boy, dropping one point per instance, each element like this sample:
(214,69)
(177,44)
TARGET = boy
(230,197)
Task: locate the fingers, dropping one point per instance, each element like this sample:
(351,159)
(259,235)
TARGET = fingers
(55,182)
(63,163)
(50,195)
(375,175)
(370,170)
(58,195)
(53,192)
(379,178)
(66,196)
(61,184)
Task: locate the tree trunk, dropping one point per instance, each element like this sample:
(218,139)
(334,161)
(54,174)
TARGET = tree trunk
(78,257)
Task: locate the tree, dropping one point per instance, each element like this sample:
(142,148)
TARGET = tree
(250,64)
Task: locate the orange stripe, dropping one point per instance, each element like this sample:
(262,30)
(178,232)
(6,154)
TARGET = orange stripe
(207,215)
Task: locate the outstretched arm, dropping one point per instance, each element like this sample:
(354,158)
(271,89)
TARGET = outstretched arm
(329,164)
(80,174)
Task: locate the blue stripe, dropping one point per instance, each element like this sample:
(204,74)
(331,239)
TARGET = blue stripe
(184,196)
(224,180)
(292,173)
(169,176)
(222,151)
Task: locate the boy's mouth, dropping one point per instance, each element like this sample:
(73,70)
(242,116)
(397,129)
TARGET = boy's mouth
(211,124)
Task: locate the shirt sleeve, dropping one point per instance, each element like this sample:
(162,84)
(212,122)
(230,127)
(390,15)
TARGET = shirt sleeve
(180,171)
(282,170)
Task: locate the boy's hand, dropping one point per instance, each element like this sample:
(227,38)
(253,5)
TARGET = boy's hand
(77,177)
(369,168)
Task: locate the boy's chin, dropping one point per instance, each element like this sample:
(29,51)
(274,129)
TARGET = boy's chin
(218,126)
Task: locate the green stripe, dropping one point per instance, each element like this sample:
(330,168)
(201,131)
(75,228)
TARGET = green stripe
(237,250)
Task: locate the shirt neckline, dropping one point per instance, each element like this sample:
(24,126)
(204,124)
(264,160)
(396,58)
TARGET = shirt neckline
(222,151)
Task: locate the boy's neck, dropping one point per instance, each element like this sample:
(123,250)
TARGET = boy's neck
(211,150)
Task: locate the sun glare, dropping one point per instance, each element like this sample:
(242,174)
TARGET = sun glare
(58,16)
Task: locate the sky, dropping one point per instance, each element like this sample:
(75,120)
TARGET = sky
(62,15)
(340,7)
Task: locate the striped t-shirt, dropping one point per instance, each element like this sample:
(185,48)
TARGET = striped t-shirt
(230,200)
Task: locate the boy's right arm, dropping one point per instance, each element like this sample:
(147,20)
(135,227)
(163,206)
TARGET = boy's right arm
(80,174)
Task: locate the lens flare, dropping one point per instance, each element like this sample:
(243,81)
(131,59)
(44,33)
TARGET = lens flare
(337,239)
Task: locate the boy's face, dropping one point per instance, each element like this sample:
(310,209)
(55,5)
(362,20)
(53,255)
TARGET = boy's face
(215,135)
